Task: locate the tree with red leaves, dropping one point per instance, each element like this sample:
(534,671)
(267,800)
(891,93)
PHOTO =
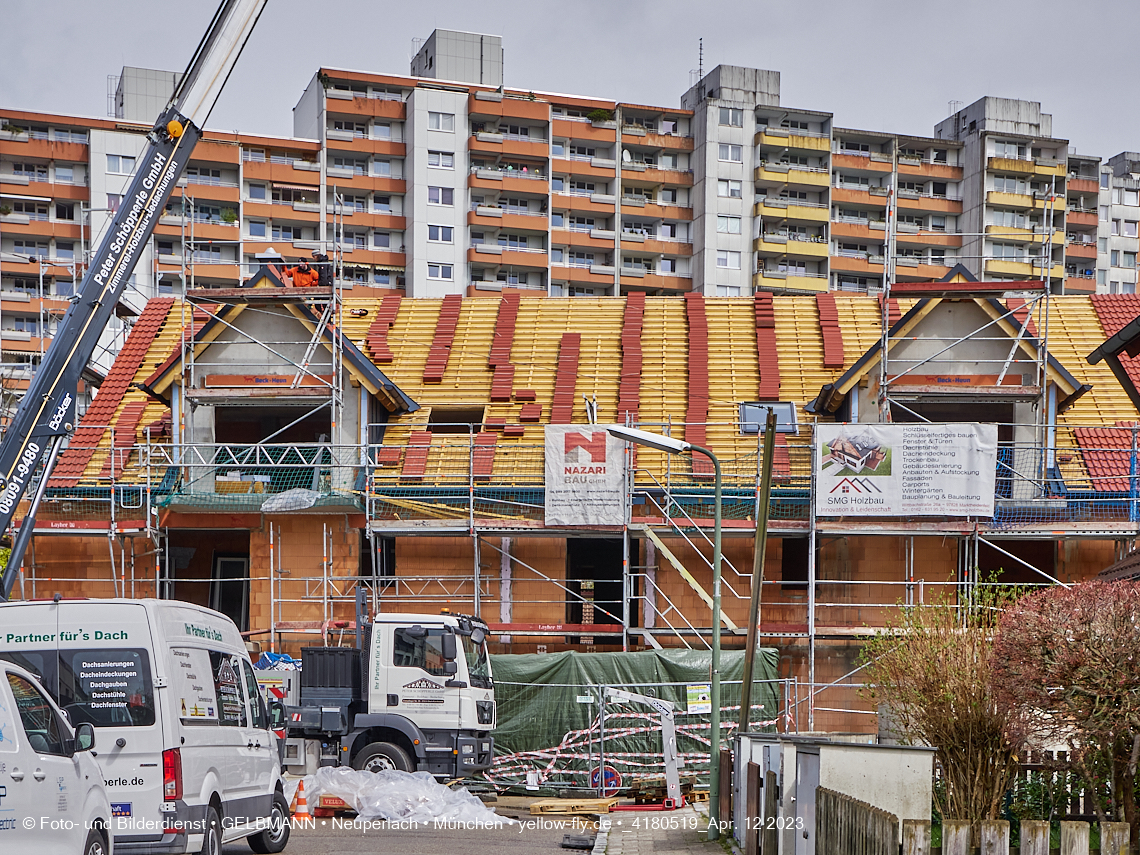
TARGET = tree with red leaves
(1070,657)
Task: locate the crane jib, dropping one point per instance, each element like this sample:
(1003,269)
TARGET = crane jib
(44,409)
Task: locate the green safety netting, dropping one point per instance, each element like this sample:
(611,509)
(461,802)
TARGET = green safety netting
(546,725)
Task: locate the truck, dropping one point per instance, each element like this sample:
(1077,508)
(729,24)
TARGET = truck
(415,694)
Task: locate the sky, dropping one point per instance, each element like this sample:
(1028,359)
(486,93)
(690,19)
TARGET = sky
(876,64)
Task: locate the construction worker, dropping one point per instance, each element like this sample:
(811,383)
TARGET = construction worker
(303,275)
(324,269)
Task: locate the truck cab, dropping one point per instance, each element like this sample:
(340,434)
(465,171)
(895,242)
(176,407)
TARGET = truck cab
(419,697)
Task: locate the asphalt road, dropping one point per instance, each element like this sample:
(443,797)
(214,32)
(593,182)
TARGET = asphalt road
(343,835)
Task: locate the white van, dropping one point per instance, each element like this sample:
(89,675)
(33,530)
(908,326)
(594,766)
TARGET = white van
(187,755)
(52,799)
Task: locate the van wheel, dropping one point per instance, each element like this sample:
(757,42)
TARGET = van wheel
(212,841)
(382,757)
(95,844)
(274,838)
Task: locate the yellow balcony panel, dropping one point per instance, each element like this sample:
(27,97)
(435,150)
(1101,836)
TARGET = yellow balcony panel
(786,139)
(793,248)
(783,210)
(777,173)
(1010,164)
(1013,233)
(1043,203)
(1045,166)
(1005,267)
(1009,200)
(769,280)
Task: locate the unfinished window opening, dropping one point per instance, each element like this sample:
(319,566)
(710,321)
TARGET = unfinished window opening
(995,565)
(455,419)
(794,564)
(280,424)
(594,572)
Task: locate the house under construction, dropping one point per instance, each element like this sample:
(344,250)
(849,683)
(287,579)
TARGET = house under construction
(269,451)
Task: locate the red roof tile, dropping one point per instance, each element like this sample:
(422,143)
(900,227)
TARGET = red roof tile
(566,379)
(1116,311)
(829,328)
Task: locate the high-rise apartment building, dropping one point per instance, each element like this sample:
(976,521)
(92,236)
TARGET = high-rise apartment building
(446,182)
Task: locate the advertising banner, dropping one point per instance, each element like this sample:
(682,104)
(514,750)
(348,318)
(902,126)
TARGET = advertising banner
(585,482)
(905,470)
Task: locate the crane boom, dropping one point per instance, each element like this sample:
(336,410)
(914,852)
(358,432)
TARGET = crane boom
(46,414)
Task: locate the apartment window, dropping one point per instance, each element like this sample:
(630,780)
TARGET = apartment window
(165,247)
(728,225)
(64,250)
(441,159)
(793,268)
(354,203)
(556,255)
(26,323)
(731,153)
(732,117)
(794,124)
(381,240)
(1009,149)
(557,185)
(382,277)
(1132,197)
(1116,227)
(382,204)
(64,175)
(1128,259)
(382,167)
(728,290)
(351,164)
(728,189)
(382,131)
(356,240)
(31,171)
(120,164)
(582,186)
(441,122)
(1104,185)
(515,130)
(848,147)
(202,175)
(289,233)
(937,256)
(1129,229)
(256,229)
(440,196)
(38,249)
(1101,277)
(1104,213)
(1115,256)
(357,129)
(557,149)
(557,220)
(668,265)
(440,234)
(728,259)
(667,197)
(257,192)
(583,151)
(514,206)
(1012,219)
(439,271)
(253,155)
(1102,245)
(1009,184)
(32,210)
(582,224)
(511,241)
(581,259)
(938,224)
(1008,251)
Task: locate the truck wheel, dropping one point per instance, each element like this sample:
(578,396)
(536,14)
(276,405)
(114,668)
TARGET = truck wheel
(381,757)
(212,837)
(95,844)
(274,838)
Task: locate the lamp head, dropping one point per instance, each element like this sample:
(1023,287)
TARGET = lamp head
(652,440)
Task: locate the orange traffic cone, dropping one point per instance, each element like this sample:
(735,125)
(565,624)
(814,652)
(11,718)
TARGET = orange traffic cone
(302,811)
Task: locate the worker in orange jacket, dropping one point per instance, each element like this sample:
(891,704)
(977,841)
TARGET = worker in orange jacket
(303,275)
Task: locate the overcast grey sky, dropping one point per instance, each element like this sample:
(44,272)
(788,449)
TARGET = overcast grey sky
(876,64)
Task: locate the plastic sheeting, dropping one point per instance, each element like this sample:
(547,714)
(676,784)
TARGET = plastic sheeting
(547,723)
(404,797)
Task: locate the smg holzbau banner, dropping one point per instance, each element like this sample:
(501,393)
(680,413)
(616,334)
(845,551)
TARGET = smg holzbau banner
(905,470)
(585,481)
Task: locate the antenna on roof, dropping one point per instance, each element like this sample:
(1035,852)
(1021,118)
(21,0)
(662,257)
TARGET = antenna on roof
(701,58)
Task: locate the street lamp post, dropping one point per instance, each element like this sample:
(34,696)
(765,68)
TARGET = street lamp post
(676,446)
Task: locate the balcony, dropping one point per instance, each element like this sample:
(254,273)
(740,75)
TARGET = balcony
(647,173)
(802,140)
(364,106)
(938,171)
(792,210)
(484,103)
(1081,217)
(792,246)
(1014,165)
(1081,249)
(1083,185)
(1042,202)
(673,142)
(1002,199)
(772,280)
(508,180)
(20,146)
(862,263)
(499,218)
(842,160)
(583,130)
(1076,284)
(1026,269)
(784,173)
(585,167)
(287,173)
(668,282)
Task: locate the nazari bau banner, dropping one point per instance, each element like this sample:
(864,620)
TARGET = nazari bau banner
(905,470)
(585,481)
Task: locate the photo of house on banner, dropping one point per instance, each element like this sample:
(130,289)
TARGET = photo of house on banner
(862,454)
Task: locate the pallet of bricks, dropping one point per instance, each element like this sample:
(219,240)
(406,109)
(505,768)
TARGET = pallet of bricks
(653,790)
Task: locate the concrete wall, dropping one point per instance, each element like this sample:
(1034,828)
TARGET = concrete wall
(465,57)
(895,779)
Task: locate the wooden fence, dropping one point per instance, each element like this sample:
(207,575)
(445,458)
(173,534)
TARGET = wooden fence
(847,825)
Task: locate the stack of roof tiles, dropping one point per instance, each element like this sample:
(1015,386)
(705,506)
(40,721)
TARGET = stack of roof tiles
(894,313)
(1020,311)
(416,455)
(124,434)
(500,357)
(69,468)
(1107,454)
(378,332)
(629,387)
(566,379)
(445,326)
(829,328)
(698,412)
(483,455)
(766,352)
